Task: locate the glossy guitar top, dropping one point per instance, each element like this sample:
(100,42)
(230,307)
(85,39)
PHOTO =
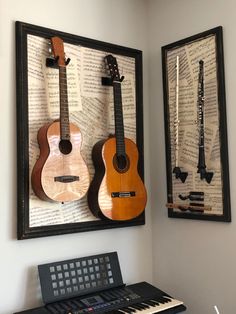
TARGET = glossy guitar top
(114,193)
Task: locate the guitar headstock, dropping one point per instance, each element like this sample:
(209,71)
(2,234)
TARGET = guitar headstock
(58,51)
(113,68)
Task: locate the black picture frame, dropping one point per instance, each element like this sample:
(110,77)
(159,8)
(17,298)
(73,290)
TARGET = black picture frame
(183,57)
(24,230)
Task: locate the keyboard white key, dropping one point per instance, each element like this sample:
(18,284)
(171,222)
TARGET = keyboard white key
(151,308)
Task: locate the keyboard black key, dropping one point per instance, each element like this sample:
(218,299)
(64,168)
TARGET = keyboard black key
(52,309)
(127,310)
(149,302)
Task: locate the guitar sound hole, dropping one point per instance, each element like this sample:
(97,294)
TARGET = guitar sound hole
(121,163)
(65,147)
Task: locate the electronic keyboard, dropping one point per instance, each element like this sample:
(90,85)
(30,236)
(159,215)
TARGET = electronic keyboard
(94,285)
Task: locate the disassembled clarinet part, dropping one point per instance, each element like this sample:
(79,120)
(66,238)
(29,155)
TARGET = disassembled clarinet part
(192,207)
(204,174)
(193,196)
(177,171)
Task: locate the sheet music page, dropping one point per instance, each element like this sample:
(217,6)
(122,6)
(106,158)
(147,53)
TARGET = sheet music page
(51,78)
(128,101)
(90,104)
(189,57)
(94,68)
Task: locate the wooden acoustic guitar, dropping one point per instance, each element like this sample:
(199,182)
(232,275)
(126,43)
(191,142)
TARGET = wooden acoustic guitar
(60,174)
(117,191)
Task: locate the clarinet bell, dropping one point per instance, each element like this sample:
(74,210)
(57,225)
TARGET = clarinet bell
(179,174)
(206,175)
(183,176)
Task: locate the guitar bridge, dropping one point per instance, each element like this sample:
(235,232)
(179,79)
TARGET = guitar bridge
(66,179)
(123,194)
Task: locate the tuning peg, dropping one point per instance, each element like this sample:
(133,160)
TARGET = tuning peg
(50,47)
(67,61)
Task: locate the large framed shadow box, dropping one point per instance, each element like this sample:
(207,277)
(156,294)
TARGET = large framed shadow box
(90,106)
(195,128)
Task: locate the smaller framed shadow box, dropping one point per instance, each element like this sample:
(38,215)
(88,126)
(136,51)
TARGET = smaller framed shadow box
(91,107)
(195,128)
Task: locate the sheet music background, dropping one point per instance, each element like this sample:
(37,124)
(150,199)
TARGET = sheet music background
(189,56)
(90,107)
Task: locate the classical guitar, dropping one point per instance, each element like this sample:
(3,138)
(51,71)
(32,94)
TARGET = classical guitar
(60,174)
(117,191)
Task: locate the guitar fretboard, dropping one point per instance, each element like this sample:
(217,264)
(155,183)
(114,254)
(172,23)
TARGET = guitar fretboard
(119,124)
(64,110)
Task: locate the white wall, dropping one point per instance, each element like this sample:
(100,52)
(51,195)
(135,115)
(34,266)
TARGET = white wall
(120,22)
(194,260)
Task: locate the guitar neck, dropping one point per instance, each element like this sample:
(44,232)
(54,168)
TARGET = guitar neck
(119,124)
(64,108)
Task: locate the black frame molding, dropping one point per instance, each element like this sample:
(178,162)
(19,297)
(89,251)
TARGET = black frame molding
(226,211)
(23,229)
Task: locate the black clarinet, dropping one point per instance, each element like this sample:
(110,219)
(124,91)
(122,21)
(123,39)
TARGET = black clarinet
(204,174)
